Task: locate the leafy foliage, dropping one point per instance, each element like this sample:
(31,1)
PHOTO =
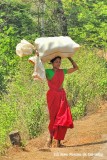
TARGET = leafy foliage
(88,84)
(24,108)
(87,22)
(15,23)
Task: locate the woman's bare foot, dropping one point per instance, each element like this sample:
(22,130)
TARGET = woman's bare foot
(59,145)
(49,142)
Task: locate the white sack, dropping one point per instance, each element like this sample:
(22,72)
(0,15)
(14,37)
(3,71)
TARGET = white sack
(50,47)
(39,71)
(24,48)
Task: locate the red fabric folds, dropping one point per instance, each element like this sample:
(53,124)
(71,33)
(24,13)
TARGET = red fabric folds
(59,110)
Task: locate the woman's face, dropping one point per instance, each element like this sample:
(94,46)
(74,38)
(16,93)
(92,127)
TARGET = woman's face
(56,64)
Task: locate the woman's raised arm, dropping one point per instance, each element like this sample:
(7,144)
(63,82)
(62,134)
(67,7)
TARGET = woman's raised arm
(75,67)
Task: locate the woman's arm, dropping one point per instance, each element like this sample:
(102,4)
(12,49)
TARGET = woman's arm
(75,67)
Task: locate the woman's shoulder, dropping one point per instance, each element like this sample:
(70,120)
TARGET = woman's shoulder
(49,73)
(65,71)
(48,70)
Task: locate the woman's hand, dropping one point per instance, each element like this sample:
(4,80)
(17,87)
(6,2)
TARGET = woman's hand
(36,52)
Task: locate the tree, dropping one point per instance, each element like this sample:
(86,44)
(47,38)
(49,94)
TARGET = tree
(62,18)
(15,23)
(87,21)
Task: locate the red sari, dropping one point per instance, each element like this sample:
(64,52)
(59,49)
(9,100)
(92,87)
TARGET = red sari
(59,110)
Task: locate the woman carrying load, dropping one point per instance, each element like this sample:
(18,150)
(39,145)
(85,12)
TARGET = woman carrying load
(59,110)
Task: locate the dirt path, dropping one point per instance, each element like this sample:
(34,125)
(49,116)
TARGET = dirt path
(87,141)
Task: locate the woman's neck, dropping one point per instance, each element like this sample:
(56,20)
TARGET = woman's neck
(55,69)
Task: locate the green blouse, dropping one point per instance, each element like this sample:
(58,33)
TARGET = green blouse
(50,73)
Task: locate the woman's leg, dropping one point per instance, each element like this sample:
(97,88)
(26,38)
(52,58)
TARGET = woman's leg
(49,142)
(60,134)
(58,143)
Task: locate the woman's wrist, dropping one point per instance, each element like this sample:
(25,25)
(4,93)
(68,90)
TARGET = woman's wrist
(73,63)
(36,52)
(71,60)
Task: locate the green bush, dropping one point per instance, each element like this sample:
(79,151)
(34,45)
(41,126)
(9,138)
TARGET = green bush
(87,84)
(16,23)
(24,107)
(87,22)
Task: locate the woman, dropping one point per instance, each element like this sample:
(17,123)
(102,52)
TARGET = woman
(59,110)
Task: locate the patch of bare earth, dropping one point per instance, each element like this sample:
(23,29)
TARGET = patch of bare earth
(86,141)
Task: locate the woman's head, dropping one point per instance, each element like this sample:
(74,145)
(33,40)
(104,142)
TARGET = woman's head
(56,62)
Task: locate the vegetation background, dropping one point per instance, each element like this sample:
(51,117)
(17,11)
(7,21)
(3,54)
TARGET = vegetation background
(23,104)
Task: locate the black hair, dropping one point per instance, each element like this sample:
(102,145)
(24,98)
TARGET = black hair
(52,60)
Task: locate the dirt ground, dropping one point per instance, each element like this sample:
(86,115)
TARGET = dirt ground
(86,141)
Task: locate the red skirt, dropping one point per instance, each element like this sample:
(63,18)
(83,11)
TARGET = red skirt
(59,112)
